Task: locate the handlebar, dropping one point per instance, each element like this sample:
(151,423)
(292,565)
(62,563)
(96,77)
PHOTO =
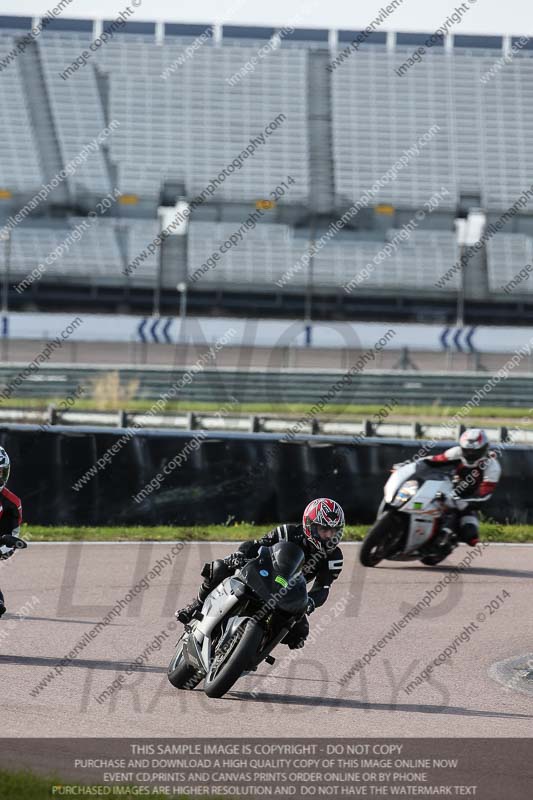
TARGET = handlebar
(449,499)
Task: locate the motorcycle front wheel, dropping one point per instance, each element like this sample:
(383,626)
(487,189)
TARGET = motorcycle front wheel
(180,674)
(239,653)
(381,540)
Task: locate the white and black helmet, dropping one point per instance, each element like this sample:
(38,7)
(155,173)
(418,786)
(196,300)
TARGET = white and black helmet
(474,444)
(5,467)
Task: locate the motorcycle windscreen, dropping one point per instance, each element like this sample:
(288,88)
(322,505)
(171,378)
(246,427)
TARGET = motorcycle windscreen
(291,589)
(288,559)
(427,471)
(258,575)
(274,575)
(293,600)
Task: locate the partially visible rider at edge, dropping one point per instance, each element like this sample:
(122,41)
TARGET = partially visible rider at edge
(10,515)
(477,472)
(319,534)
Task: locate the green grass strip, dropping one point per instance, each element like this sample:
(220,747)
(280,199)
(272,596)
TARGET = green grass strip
(399,413)
(491,532)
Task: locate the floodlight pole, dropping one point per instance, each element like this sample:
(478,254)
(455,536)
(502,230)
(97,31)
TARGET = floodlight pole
(156,310)
(6,237)
(460,314)
(182,290)
(308,312)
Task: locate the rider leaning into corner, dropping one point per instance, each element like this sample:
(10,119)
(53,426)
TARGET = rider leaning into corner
(10,515)
(319,535)
(477,472)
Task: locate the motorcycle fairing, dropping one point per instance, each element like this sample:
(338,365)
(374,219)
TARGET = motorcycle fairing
(422,509)
(396,479)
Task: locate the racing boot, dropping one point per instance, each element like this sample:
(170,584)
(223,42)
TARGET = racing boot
(469,534)
(297,635)
(187,614)
(446,533)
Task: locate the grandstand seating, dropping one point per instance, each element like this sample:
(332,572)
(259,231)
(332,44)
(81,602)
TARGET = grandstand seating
(484,146)
(19,165)
(77,111)
(507,255)
(148,145)
(139,235)
(261,258)
(94,256)
(191,125)
(182,121)
(417,263)
(377,116)
(268,252)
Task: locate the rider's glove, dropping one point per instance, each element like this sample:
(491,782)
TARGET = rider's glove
(451,500)
(236,560)
(310,606)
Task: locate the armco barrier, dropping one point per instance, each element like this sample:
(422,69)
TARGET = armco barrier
(221,478)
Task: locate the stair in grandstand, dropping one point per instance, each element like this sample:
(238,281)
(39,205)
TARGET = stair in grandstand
(103,91)
(121,234)
(42,120)
(322,181)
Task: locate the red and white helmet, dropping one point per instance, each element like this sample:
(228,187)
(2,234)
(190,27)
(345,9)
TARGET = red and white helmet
(474,444)
(323,524)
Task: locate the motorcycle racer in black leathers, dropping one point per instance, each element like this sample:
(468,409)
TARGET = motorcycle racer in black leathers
(10,517)
(318,535)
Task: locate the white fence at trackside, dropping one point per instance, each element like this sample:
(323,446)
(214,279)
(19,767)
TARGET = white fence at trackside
(265,332)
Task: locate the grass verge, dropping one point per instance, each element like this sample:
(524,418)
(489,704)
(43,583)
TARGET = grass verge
(491,532)
(26,786)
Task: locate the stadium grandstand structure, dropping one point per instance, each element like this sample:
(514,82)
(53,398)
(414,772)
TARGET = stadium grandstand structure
(347,158)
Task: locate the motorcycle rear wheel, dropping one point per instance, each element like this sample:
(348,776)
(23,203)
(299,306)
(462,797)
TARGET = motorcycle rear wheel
(223,674)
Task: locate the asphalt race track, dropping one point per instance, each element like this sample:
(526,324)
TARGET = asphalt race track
(57,593)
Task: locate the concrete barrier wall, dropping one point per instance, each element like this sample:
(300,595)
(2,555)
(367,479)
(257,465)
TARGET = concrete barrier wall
(84,476)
